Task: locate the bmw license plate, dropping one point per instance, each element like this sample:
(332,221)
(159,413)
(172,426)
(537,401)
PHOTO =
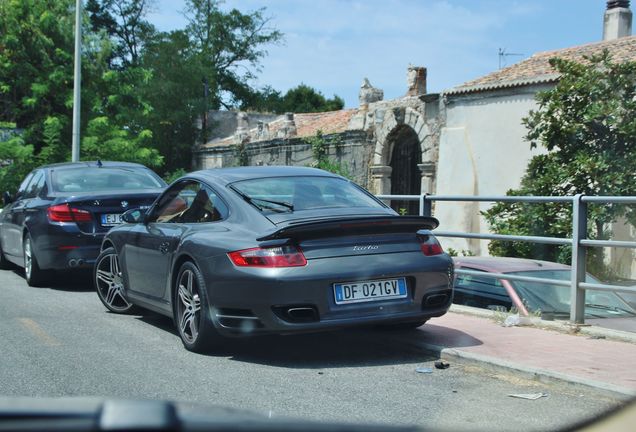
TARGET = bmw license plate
(111,219)
(371,290)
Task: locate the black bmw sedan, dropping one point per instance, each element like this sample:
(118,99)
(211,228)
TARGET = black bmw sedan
(60,213)
(244,251)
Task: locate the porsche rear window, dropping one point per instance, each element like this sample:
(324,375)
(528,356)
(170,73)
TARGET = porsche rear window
(106,178)
(279,194)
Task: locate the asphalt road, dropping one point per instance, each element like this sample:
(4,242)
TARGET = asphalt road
(60,341)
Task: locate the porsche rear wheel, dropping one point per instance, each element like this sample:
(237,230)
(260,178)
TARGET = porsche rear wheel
(190,306)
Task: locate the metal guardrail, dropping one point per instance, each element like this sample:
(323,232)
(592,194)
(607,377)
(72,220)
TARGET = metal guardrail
(578,241)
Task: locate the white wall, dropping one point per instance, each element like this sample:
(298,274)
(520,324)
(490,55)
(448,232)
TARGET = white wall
(482,152)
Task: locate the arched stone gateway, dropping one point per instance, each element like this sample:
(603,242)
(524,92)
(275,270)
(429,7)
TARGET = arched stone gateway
(405,176)
(403,131)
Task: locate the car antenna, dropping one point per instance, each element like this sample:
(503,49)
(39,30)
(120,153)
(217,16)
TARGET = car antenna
(99,163)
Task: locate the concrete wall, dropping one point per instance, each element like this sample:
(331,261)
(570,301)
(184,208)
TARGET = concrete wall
(482,152)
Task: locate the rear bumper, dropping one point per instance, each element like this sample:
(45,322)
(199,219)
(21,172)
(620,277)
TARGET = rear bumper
(64,246)
(296,300)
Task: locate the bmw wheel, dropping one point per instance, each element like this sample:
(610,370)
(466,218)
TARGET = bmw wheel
(33,274)
(109,282)
(190,308)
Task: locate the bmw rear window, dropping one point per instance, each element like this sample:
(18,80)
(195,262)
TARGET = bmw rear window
(87,179)
(283,194)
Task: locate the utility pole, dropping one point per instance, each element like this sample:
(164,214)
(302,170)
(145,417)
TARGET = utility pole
(77,83)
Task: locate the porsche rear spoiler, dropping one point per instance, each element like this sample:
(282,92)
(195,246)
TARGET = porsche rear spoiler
(352,226)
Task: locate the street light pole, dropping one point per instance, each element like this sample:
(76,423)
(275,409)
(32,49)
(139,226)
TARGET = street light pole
(77,82)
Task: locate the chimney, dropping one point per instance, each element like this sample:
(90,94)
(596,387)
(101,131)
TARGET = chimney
(617,22)
(416,80)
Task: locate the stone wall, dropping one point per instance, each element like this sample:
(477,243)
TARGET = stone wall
(352,150)
(366,136)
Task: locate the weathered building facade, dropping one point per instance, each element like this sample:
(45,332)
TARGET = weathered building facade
(387,146)
(468,140)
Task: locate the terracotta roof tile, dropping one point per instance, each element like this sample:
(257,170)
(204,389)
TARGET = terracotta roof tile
(307,124)
(330,122)
(537,69)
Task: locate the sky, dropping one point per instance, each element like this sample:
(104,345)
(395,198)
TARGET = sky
(332,45)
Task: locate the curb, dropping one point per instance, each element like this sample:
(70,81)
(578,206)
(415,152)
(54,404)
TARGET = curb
(539,374)
(561,326)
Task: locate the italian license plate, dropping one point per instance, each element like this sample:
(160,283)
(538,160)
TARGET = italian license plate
(111,219)
(370,290)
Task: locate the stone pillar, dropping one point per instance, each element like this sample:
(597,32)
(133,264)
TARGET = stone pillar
(369,94)
(380,180)
(288,129)
(262,131)
(243,128)
(427,170)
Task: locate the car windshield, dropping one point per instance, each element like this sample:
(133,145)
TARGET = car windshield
(105,178)
(548,297)
(283,194)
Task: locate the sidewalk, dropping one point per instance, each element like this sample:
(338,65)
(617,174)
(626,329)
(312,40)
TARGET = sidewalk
(545,354)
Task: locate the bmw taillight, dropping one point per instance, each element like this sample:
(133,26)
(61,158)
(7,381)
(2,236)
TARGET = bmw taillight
(280,256)
(66,213)
(429,245)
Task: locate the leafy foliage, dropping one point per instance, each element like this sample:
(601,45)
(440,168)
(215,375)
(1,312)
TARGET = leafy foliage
(587,123)
(320,152)
(142,90)
(228,47)
(300,99)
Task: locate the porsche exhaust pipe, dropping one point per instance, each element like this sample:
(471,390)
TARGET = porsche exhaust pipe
(302,314)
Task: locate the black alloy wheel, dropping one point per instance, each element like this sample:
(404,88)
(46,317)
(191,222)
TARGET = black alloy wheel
(190,310)
(33,274)
(109,282)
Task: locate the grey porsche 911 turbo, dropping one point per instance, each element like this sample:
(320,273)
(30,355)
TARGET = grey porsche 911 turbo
(252,250)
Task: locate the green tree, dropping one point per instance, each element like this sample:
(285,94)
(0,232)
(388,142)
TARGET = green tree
(228,46)
(36,63)
(300,99)
(218,49)
(36,86)
(125,23)
(175,93)
(587,123)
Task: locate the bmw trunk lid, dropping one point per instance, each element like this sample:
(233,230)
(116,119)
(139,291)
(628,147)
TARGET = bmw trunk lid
(106,209)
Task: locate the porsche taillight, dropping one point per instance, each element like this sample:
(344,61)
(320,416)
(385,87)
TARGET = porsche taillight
(429,245)
(66,213)
(280,256)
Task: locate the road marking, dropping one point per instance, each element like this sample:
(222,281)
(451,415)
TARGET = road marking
(39,332)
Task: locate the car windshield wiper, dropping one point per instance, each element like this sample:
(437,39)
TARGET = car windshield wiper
(251,200)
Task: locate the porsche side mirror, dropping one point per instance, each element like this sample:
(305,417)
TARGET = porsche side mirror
(134,216)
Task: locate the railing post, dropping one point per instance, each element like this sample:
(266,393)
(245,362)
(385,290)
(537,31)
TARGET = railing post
(579,232)
(426,206)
